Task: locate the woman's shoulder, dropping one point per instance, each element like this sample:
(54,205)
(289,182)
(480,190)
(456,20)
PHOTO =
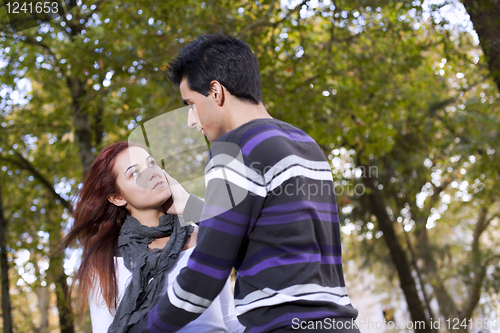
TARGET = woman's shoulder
(122,274)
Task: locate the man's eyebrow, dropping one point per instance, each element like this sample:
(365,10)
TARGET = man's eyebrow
(130,167)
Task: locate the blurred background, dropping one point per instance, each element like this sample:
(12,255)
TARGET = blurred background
(402,96)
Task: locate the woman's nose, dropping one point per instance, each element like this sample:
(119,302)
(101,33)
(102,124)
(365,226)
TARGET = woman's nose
(151,173)
(146,176)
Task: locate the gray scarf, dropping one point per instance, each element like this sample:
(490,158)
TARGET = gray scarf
(147,267)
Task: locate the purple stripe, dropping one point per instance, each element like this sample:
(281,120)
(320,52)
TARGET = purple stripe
(210,271)
(253,142)
(217,224)
(212,210)
(297,216)
(255,130)
(209,259)
(331,260)
(286,320)
(299,205)
(281,261)
(156,325)
(326,250)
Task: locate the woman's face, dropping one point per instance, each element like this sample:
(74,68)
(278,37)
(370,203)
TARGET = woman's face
(141,181)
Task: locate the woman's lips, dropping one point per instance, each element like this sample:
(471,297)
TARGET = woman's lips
(159,184)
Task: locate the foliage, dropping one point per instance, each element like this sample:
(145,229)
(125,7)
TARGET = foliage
(403,108)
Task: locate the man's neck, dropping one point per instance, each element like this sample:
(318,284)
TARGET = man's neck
(242,113)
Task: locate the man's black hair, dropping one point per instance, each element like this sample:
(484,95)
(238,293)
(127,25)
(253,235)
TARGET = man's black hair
(216,57)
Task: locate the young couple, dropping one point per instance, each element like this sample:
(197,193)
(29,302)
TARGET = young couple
(142,272)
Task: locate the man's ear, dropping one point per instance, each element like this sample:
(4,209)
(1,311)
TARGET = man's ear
(116,200)
(218,91)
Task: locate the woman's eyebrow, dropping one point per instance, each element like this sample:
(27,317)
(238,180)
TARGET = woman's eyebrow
(133,165)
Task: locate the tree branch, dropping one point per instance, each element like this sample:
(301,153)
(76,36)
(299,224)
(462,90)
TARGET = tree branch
(264,21)
(26,165)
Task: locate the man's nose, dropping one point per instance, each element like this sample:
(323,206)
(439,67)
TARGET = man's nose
(191,121)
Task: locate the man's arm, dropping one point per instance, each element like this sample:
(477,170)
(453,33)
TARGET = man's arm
(233,202)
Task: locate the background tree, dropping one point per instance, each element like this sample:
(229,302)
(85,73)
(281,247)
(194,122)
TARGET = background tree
(403,107)
(485,14)
(4,267)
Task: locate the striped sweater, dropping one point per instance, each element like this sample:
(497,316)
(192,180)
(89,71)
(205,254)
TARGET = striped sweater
(270,212)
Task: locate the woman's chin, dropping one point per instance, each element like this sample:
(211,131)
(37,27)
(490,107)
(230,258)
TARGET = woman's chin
(165,196)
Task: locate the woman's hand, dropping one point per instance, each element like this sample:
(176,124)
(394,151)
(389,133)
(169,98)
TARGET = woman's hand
(179,198)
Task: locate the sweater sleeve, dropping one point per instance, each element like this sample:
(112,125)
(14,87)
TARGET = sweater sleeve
(233,201)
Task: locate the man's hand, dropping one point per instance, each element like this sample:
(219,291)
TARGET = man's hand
(179,198)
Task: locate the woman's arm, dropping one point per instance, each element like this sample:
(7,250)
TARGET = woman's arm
(227,305)
(100,316)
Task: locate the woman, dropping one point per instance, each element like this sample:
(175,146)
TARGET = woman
(132,247)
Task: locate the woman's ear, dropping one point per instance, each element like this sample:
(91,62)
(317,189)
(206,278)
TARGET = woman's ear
(116,200)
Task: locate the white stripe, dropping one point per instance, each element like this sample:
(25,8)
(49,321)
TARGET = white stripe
(280,299)
(181,304)
(224,160)
(238,166)
(190,296)
(291,291)
(299,171)
(240,177)
(294,159)
(339,294)
(314,292)
(236,179)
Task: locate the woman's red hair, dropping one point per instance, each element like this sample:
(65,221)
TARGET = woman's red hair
(97,224)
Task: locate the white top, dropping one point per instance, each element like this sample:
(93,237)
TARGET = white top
(219,317)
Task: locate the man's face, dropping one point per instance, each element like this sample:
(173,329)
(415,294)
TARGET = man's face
(202,113)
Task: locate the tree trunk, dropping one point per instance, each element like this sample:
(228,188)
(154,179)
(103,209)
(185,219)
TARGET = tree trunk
(4,268)
(485,15)
(56,275)
(83,130)
(399,259)
(43,295)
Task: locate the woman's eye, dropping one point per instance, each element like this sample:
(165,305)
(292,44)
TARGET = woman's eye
(152,163)
(135,173)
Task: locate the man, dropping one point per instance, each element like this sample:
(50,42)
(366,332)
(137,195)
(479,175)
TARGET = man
(269,212)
